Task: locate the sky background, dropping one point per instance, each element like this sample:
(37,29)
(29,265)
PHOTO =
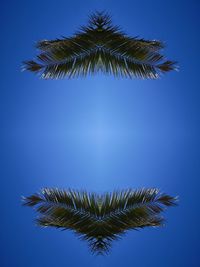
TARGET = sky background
(99,133)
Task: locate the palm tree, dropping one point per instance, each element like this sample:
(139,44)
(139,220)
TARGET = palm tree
(100,219)
(99,47)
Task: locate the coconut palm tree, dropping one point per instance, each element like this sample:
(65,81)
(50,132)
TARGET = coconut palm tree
(99,47)
(100,219)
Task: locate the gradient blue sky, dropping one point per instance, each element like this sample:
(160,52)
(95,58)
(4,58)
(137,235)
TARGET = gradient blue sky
(99,133)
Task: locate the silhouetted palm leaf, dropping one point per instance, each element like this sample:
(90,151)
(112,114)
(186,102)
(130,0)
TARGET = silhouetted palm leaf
(100,46)
(100,219)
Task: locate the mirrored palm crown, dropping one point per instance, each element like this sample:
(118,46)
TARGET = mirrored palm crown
(100,47)
(100,219)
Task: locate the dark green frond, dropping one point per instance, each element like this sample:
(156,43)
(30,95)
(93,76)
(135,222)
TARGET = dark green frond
(99,219)
(100,47)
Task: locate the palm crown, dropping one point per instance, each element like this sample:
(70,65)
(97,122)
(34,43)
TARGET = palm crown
(100,47)
(100,219)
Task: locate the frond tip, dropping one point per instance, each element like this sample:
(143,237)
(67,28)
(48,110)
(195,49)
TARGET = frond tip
(99,219)
(99,47)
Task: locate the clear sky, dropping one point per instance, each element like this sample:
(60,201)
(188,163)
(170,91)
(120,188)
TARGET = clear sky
(99,133)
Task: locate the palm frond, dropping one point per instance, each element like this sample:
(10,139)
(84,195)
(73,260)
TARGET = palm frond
(100,47)
(100,219)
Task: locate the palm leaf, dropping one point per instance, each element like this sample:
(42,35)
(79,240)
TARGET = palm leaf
(99,47)
(100,219)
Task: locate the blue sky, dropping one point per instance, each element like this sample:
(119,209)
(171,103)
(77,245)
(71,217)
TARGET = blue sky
(99,133)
